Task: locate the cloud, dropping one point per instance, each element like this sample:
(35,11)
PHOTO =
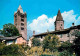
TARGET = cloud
(77,22)
(44,23)
(69,18)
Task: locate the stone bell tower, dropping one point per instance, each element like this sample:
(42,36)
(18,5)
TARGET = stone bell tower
(20,22)
(59,23)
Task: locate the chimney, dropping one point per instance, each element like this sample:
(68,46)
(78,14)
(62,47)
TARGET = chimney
(72,24)
(33,32)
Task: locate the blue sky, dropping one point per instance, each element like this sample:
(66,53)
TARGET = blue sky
(40,9)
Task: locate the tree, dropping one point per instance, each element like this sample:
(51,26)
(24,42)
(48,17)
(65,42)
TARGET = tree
(51,42)
(9,30)
(76,42)
(36,42)
(0,32)
(65,53)
(11,50)
(65,46)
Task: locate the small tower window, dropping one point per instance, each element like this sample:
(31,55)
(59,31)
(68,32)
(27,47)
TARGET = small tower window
(61,24)
(22,24)
(22,28)
(22,16)
(22,20)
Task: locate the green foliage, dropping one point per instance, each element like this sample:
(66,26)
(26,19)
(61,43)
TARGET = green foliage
(35,51)
(36,42)
(11,50)
(45,55)
(51,42)
(76,42)
(0,31)
(1,47)
(66,46)
(76,33)
(77,39)
(25,47)
(9,30)
(65,53)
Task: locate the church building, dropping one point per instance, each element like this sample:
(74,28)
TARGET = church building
(20,19)
(63,34)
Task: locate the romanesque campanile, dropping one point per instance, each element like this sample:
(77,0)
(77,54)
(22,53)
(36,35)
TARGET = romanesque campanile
(59,23)
(20,22)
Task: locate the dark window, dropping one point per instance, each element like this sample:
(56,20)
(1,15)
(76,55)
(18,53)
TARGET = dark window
(41,37)
(22,16)
(61,24)
(22,24)
(22,20)
(22,28)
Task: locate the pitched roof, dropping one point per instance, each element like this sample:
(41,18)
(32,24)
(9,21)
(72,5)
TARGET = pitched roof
(8,38)
(59,16)
(58,32)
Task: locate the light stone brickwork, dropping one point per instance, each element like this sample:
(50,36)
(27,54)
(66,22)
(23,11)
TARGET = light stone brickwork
(59,23)
(63,34)
(21,40)
(20,19)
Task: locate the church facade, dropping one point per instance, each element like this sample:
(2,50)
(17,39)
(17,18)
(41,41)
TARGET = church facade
(20,19)
(63,34)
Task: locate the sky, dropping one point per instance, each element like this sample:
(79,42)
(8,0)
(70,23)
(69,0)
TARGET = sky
(41,14)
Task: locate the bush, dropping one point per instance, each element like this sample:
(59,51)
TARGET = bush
(35,51)
(65,53)
(13,50)
(36,42)
(66,46)
(51,42)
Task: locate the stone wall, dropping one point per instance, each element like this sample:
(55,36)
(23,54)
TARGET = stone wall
(21,40)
